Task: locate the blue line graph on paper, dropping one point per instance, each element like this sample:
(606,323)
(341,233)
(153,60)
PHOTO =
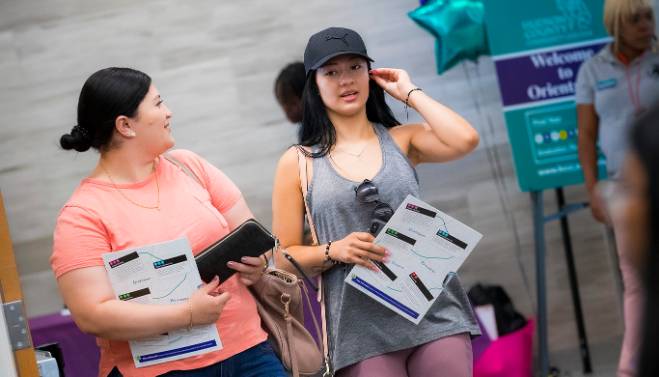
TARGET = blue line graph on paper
(444,223)
(424,264)
(173,289)
(428,257)
(151,255)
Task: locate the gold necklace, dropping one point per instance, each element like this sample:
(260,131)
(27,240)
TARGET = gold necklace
(334,163)
(355,155)
(157,206)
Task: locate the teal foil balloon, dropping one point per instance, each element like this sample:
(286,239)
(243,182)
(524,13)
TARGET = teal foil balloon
(459,29)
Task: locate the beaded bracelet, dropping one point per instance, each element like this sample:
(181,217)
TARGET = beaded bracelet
(327,256)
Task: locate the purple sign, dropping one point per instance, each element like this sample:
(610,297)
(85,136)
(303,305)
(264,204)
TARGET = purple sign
(542,75)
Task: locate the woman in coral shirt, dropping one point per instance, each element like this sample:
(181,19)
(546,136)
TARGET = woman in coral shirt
(135,197)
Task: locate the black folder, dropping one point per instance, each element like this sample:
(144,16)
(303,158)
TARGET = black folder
(249,239)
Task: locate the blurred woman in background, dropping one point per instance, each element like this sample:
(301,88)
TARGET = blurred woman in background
(614,88)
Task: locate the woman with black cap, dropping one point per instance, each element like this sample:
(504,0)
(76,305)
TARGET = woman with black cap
(354,145)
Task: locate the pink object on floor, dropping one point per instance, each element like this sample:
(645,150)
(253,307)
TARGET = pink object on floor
(510,355)
(480,343)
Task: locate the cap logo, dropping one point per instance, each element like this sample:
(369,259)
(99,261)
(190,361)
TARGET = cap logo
(343,38)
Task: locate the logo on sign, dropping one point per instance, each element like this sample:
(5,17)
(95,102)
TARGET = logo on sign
(574,17)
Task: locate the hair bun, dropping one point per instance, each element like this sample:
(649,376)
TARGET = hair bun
(78,139)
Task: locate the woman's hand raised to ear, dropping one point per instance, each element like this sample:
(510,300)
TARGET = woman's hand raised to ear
(396,82)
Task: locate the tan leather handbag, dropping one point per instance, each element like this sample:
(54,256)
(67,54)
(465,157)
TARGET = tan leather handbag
(278,297)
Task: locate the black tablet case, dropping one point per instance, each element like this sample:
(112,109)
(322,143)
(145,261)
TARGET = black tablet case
(248,239)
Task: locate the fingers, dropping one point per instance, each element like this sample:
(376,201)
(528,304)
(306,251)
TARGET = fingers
(247,267)
(365,242)
(363,253)
(366,263)
(206,308)
(360,261)
(370,250)
(222,299)
(212,285)
(363,236)
(379,80)
(386,74)
(252,261)
(250,270)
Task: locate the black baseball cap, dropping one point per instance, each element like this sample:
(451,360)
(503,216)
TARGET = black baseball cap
(331,42)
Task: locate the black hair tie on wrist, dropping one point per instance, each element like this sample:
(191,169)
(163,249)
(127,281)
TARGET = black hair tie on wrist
(407,102)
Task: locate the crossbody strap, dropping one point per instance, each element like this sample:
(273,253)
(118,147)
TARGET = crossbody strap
(304,186)
(192,175)
(183,167)
(186,169)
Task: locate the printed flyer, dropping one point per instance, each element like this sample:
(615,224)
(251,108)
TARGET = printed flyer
(426,245)
(161,274)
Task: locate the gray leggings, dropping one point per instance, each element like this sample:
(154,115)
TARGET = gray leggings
(450,356)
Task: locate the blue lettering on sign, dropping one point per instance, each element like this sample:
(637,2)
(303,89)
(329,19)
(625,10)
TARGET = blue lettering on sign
(606,84)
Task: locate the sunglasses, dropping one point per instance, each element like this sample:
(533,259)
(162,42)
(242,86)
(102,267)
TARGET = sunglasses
(367,192)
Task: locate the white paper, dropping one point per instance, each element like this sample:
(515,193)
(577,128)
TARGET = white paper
(426,245)
(486,315)
(161,274)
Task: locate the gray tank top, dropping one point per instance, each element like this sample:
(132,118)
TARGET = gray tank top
(358,326)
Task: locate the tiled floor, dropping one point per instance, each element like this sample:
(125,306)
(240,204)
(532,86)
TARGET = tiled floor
(215,63)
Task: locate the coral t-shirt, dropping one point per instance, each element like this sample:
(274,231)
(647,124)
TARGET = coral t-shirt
(99,219)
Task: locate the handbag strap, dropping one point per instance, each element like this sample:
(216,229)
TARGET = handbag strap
(169,157)
(289,330)
(289,339)
(303,172)
(304,186)
(186,169)
(313,315)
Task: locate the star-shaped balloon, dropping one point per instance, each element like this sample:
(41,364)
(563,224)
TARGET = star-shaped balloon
(459,29)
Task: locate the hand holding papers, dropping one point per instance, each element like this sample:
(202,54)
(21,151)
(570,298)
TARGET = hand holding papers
(161,274)
(425,246)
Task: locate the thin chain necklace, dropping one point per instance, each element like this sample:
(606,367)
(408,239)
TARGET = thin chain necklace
(335,164)
(157,206)
(355,155)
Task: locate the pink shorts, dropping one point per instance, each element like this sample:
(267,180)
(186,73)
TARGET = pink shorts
(449,356)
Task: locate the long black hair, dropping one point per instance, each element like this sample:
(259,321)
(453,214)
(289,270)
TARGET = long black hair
(645,143)
(106,94)
(318,130)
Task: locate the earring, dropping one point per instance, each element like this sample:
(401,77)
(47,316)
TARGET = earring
(132,133)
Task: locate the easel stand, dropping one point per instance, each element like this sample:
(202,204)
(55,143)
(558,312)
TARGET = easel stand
(539,221)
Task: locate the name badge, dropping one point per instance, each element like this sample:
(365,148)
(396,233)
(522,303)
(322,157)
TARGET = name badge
(606,84)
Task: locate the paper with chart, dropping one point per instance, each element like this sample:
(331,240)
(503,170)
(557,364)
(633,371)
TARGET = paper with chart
(426,245)
(161,274)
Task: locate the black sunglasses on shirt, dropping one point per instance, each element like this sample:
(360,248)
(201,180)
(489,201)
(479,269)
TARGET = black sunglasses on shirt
(367,192)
